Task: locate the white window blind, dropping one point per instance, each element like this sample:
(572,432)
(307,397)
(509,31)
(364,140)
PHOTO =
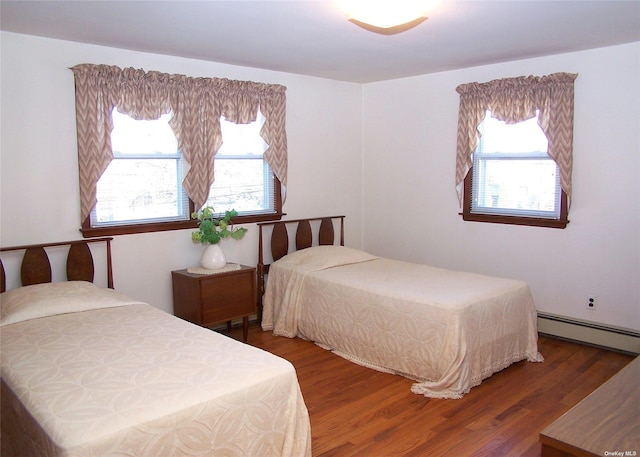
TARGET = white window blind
(512,172)
(243,180)
(143,182)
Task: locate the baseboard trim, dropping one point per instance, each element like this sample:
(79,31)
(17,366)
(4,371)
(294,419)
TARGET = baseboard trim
(586,332)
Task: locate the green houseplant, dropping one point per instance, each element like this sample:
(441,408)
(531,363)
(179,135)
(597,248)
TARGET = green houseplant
(211,229)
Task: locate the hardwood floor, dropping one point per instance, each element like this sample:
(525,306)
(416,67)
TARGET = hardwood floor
(356,411)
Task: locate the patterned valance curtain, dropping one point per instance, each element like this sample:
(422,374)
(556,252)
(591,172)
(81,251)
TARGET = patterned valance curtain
(196,103)
(513,100)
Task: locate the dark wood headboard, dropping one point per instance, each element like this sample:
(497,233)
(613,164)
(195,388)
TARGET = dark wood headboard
(36,267)
(280,246)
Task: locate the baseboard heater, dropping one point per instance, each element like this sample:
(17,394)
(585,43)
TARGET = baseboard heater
(616,338)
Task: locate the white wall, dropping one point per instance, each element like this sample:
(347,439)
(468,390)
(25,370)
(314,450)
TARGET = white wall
(411,208)
(39,172)
(403,206)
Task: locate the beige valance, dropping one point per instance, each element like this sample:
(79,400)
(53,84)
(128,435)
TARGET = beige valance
(196,103)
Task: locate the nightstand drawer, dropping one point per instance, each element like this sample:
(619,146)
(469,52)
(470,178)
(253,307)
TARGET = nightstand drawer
(228,297)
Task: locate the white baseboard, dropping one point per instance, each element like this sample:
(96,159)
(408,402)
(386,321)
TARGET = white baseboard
(616,338)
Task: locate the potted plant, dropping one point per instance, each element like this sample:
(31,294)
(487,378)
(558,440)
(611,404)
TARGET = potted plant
(211,230)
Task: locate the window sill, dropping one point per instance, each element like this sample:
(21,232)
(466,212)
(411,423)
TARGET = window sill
(92,232)
(514,220)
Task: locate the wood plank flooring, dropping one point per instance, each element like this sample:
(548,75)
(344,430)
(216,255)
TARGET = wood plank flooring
(611,414)
(356,411)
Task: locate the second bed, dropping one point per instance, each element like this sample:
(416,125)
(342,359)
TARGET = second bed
(447,330)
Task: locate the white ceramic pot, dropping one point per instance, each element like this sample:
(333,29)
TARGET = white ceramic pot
(213,257)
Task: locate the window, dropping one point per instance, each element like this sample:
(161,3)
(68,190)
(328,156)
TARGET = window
(514,150)
(141,189)
(512,174)
(243,179)
(143,182)
(132,176)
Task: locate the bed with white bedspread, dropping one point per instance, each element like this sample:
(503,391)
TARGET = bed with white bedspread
(87,371)
(447,330)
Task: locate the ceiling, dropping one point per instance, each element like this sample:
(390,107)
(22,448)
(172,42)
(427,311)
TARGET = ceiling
(313,37)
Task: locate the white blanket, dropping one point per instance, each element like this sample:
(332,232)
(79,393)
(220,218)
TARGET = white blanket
(448,330)
(131,380)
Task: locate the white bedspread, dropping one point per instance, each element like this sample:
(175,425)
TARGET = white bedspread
(448,330)
(134,381)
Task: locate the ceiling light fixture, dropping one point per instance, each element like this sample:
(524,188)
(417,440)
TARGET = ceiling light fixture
(387,17)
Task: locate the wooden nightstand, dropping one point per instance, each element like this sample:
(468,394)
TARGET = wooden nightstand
(210,299)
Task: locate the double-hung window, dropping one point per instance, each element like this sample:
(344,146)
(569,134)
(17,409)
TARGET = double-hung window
(243,179)
(514,151)
(143,182)
(512,173)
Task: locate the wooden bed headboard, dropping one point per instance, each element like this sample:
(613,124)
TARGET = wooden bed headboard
(280,246)
(36,267)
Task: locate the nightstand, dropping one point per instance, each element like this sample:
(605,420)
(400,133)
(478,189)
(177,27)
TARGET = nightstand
(210,299)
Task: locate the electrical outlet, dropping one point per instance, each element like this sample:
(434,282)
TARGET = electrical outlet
(591,303)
